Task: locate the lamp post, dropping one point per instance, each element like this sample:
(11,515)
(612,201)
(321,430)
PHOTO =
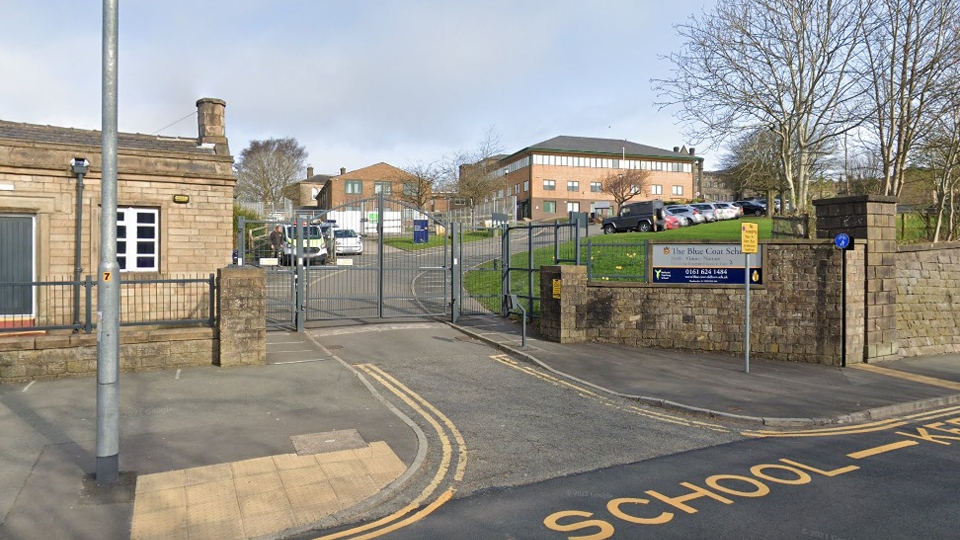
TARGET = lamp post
(78,166)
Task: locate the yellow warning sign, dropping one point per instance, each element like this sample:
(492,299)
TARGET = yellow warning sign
(749,237)
(556,288)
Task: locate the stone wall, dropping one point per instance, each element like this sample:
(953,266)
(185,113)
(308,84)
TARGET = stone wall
(52,356)
(795,315)
(928,299)
(238,339)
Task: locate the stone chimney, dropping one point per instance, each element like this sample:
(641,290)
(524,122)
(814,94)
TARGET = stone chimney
(211,128)
(343,171)
(309,172)
(693,151)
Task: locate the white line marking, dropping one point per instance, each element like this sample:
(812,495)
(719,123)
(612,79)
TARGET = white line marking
(300,361)
(27,387)
(178,375)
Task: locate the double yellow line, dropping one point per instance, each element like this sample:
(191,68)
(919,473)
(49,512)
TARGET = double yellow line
(587,392)
(869,427)
(453,448)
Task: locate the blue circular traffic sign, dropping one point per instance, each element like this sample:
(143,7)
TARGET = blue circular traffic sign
(842,241)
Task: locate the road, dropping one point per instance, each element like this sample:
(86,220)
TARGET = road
(516,453)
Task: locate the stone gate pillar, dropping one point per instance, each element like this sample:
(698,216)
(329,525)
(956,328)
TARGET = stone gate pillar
(872,219)
(242,300)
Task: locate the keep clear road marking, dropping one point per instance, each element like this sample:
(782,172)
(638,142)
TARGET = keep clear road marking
(663,417)
(658,508)
(907,376)
(438,420)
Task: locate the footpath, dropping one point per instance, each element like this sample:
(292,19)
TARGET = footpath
(266,452)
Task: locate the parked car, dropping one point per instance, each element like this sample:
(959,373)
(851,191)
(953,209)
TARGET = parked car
(348,242)
(708,210)
(685,214)
(727,210)
(752,208)
(643,216)
(671,222)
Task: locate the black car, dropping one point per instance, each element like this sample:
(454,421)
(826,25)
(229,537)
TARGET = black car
(751,208)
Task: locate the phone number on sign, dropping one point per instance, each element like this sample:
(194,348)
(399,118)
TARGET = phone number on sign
(705,272)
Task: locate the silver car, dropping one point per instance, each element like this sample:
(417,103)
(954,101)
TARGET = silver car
(728,211)
(687,215)
(708,210)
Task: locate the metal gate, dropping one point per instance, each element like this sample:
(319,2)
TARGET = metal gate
(411,264)
(506,260)
(403,269)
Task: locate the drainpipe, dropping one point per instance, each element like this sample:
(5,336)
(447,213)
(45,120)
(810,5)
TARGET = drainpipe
(79,166)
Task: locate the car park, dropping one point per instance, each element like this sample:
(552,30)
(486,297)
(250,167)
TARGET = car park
(348,242)
(752,208)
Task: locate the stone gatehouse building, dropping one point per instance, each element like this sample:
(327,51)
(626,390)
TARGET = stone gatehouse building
(174,203)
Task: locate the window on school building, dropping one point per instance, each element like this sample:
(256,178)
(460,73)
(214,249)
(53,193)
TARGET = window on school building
(526,185)
(410,189)
(382,187)
(573,185)
(573,206)
(353,187)
(549,185)
(678,190)
(138,239)
(596,187)
(550,207)
(656,189)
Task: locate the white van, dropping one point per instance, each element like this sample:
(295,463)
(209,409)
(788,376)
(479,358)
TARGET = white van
(314,247)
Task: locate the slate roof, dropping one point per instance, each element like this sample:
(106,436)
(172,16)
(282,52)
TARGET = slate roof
(614,147)
(319,178)
(82,137)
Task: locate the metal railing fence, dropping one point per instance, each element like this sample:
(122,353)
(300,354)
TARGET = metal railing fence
(70,305)
(612,261)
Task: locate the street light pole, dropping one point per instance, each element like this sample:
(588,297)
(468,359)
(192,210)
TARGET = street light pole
(108,284)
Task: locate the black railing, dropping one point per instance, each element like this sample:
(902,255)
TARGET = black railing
(69,305)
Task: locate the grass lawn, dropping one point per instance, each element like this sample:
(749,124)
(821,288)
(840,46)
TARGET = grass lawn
(434,240)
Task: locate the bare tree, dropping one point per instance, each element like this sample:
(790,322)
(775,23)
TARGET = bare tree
(752,162)
(941,154)
(474,174)
(626,184)
(418,180)
(910,45)
(266,167)
(780,65)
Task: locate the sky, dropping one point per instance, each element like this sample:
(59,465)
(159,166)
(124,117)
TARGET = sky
(355,82)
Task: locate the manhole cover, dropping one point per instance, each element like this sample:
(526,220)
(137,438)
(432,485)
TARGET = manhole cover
(330,441)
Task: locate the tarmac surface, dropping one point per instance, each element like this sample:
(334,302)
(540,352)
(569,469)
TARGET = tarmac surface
(306,441)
